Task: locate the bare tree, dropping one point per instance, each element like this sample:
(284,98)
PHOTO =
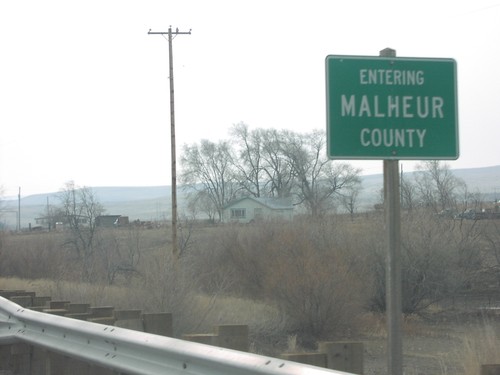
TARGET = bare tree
(262,167)
(430,245)
(248,165)
(277,168)
(408,194)
(208,167)
(267,163)
(437,185)
(200,201)
(80,209)
(349,199)
(491,267)
(317,177)
(469,199)
(118,253)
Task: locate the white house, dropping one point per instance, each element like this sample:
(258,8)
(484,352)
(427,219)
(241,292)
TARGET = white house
(250,209)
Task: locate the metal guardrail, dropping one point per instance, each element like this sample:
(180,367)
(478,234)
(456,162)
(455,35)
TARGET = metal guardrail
(135,352)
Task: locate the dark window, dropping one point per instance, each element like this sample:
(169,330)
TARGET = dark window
(238,213)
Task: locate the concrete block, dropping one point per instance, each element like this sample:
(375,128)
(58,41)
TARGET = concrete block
(490,369)
(42,301)
(102,312)
(129,319)
(78,308)
(14,293)
(158,324)
(232,336)
(9,293)
(343,356)
(24,301)
(58,305)
(127,314)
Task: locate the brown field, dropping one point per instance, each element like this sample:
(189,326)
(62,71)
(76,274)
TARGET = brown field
(256,275)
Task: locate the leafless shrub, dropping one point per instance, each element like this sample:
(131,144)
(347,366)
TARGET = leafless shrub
(316,286)
(439,258)
(32,256)
(314,282)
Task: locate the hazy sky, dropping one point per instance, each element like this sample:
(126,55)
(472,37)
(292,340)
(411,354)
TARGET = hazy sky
(84,88)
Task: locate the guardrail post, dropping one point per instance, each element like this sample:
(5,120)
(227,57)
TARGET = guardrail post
(343,356)
(129,319)
(41,301)
(24,301)
(158,324)
(102,315)
(59,305)
(490,369)
(232,337)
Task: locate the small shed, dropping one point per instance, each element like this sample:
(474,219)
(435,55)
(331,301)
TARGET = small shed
(250,209)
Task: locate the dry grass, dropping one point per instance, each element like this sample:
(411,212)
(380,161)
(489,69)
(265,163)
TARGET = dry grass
(227,274)
(204,312)
(453,349)
(94,294)
(481,345)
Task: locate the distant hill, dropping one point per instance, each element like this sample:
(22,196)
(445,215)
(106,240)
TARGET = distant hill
(154,202)
(105,194)
(486,180)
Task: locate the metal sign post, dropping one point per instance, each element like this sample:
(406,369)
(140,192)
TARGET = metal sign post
(393,283)
(393,286)
(392,109)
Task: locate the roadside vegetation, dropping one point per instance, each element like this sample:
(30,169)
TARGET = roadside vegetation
(318,277)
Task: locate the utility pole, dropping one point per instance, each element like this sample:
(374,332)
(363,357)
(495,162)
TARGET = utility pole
(171,34)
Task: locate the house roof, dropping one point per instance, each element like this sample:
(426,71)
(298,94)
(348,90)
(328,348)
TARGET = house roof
(271,203)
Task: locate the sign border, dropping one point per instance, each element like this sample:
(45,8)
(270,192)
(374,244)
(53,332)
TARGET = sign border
(397,157)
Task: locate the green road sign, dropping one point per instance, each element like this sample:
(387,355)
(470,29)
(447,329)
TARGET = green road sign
(391,108)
